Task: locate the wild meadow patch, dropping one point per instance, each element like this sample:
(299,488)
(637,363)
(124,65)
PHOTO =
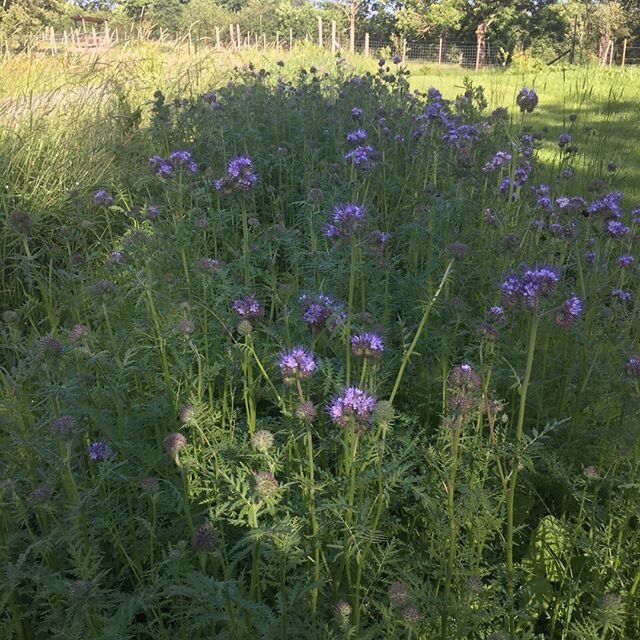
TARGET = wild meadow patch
(326,357)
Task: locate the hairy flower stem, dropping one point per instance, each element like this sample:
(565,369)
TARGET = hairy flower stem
(421,326)
(352,287)
(511,493)
(249,398)
(245,246)
(254,588)
(453,524)
(164,360)
(351,450)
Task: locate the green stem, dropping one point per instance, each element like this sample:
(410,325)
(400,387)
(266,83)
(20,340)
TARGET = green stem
(421,326)
(514,473)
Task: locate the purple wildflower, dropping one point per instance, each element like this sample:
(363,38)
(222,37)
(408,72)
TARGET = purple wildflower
(367,345)
(64,426)
(99,451)
(622,295)
(463,378)
(347,220)
(564,139)
(396,58)
(296,364)
(501,158)
(356,113)
(353,405)
(527,100)
(102,197)
(590,258)
(356,136)
(616,229)
(203,539)
(248,308)
(631,367)
(362,156)
(536,283)
(626,261)
(570,312)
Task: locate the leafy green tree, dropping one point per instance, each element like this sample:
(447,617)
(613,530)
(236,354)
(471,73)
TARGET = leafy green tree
(23,17)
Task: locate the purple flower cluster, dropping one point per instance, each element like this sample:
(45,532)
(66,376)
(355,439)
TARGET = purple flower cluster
(631,367)
(607,206)
(564,139)
(318,309)
(527,100)
(357,136)
(103,198)
(570,312)
(353,405)
(99,451)
(347,220)
(179,159)
(248,308)
(240,177)
(367,345)
(362,157)
(296,364)
(534,283)
(501,158)
(356,113)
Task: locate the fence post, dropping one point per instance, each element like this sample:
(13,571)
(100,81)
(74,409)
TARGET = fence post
(238,36)
(611,53)
(624,53)
(217,38)
(477,57)
(54,48)
(366,45)
(64,38)
(440,51)
(404,50)
(320,42)
(107,33)
(334,43)
(232,36)
(264,41)
(115,36)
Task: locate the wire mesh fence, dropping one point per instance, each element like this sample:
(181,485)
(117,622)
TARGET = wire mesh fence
(232,38)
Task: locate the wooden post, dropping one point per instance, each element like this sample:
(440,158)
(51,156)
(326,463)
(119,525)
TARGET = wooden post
(107,33)
(290,39)
(54,48)
(624,53)
(440,51)
(611,53)
(238,36)
(404,50)
(334,41)
(320,39)
(64,38)
(218,39)
(264,41)
(115,37)
(366,45)
(233,37)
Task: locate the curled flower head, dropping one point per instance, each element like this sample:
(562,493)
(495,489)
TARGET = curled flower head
(343,612)
(41,494)
(21,222)
(355,405)
(262,440)
(570,312)
(398,593)
(49,347)
(356,113)
(367,345)
(463,378)
(296,364)
(265,484)
(248,308)
(64,426)
(631,367)
(173,444)
(204,538)
(527,100)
